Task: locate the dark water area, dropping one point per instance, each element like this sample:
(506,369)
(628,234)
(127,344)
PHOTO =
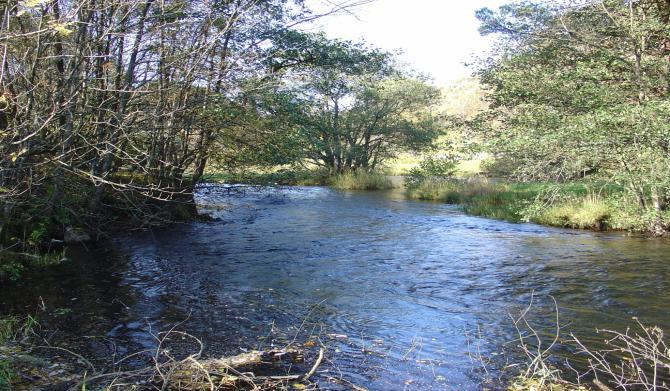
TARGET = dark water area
(410,284)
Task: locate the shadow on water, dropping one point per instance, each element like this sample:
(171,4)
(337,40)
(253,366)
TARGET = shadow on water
(403,280)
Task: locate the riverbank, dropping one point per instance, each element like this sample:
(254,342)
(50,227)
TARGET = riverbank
(568,205)
(177,362)
(598,207)
(29,361)
(35,231)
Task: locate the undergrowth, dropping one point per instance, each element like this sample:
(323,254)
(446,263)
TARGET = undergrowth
(13,330)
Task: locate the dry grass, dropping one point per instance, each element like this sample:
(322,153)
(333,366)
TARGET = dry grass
(635,359)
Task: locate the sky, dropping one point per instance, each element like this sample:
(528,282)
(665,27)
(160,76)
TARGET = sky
(436,36)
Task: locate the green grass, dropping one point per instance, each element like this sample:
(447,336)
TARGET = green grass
(12,265)
(573,205)
(478,197)
(591,212)
(7,375)
(361,180)
(12,329)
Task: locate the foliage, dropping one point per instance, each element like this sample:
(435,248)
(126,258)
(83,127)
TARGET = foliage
(465,98)
(11,270)
(499,167)
(13,265)
(348,107)
(580,89)
(431,167)
(361,180)
(7,375)
(12,330)
(110,111)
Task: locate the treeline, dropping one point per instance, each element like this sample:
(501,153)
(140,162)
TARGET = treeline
(580,91)
(110,108)
(109,103)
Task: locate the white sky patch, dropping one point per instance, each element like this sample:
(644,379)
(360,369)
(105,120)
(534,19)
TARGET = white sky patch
(436,36)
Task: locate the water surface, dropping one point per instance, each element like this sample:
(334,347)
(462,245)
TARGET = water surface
(408,283)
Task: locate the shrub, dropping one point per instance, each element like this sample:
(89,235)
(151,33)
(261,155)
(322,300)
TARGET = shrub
(431,168)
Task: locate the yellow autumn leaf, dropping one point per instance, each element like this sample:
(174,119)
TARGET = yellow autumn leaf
(61,29)
(33,3)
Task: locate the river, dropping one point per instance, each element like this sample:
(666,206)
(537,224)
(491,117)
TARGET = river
(403,292)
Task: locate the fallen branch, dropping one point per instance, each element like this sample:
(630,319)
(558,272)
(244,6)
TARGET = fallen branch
(315,366)
(228,372)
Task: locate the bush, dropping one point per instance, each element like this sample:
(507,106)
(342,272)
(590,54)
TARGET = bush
(431,168)
(498,167)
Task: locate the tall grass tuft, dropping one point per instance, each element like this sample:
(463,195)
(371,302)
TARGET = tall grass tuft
(572,206)
(590,212)
(12,330)
(361,180)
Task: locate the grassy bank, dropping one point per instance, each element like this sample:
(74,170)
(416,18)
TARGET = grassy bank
(361,180)
(573,205)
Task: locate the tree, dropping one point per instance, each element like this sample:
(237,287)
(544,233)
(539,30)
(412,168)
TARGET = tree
(336,104)
(112,108)
(358,109)
(581,89)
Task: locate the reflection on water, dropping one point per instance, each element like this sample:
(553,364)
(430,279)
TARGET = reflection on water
(402,279)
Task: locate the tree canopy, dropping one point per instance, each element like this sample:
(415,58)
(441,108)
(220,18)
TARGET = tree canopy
(339,105)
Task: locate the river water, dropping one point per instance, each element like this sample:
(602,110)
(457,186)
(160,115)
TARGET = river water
(403,293)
